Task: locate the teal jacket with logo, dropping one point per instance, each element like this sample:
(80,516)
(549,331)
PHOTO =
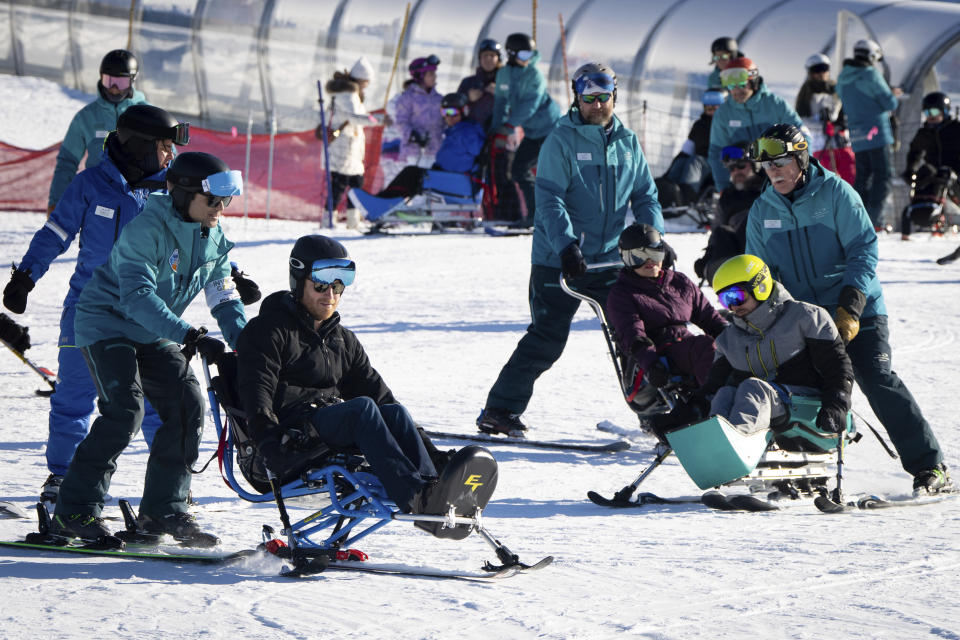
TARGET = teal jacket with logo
(521,98)
(86,134)
(158,266)
(819,243)
(867,101)
(734,123)
(586,182)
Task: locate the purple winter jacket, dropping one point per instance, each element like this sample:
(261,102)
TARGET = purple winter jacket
(419,111)
(658,310)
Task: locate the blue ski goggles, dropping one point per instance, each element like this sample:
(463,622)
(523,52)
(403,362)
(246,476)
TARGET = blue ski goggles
(733,296)
(221,187)
(591,83)
(524,55)
(329,270)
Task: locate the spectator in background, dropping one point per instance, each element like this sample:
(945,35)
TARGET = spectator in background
(868,102)
(346,142)
(418,113)
(521,100)
(722,51)
(89,128)
(750,109)
(480,87)
(690,169)
(818,104)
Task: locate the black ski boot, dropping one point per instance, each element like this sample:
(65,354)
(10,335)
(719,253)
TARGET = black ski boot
(930,481)
(51,488)
(181,526)
(500,421)
(79,525)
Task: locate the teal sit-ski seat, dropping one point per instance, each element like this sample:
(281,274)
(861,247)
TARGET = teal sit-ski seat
(713,452)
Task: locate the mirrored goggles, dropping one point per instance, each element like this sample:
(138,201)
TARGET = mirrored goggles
(721,55)
(713,98)
(323,287)
(225,183)
(330,270)
(180,134)
(636,257)
(932,112)
(524,55)
(450,112)
(120,82)
(735,78)
(593,97)
(595,83)
(433,60)
(764,148)
(732,153)
(732,296)
(777,162)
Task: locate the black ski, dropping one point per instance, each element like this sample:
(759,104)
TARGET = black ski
(606,447)
(950,258)
(870,502)
(429,572)
(94,549)
(643,499)
(738,502)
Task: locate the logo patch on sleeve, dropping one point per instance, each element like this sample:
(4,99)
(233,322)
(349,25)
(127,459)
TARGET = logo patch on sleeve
(175,260)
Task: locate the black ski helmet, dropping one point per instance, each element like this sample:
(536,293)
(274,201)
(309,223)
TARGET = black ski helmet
(638,236)
(138,129)
(306,250)
(592,68)
(454,101)
(489,44)
(518,42)
(937,100)
(725,43)
(794,145)
(118,63)
(187,173)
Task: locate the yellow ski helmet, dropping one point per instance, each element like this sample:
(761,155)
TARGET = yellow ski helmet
(747,270)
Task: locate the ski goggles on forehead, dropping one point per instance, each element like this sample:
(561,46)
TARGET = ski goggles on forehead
(330,270)
(735,78)
(732,296)
(764,148)
(221,187)
(450,112)
(120,82)
(180,134)
(932,112)
(595,83)
(636,257)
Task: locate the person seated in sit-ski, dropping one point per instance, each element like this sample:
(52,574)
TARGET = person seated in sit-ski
(649,308)
(774,347)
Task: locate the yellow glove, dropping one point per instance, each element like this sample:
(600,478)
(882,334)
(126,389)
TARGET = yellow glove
(847,325)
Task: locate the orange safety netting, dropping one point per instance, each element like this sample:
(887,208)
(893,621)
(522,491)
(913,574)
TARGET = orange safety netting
(297,187)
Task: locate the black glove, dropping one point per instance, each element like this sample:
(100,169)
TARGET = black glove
(210,348)
(691,410)
(247,288)
(15,293)
(571,261)
(190,341)
(657,375)
(274,457)
(421,139)
(13,334)
(831,419)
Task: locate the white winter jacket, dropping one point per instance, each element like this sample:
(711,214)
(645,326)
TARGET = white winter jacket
(348,149)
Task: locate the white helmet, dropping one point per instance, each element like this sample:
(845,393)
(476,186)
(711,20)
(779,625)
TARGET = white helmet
(815,59)
(868,50)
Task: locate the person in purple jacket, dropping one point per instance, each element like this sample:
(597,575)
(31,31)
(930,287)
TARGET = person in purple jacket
(649,308)
(418,113)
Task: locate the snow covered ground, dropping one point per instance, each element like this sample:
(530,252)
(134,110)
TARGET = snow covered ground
(439,315)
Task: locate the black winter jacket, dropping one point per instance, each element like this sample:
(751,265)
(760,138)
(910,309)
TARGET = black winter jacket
(937,145)
(286,369)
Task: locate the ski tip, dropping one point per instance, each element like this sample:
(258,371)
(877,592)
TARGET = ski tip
(826,505)
(9,510)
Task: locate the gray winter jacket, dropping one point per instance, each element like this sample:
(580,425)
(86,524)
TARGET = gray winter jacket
(788,343)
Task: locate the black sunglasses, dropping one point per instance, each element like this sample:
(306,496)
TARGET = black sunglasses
(213,201)
(322,287)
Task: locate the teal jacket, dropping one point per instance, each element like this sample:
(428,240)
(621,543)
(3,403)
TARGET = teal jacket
(86,134)
(819,243)
(734,123)
(521,98)
(157,267)
(586,182)
(867,101)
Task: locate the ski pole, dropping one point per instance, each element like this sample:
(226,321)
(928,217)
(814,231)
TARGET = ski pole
(48,376)
(326,154)
(838,493)
(625,494)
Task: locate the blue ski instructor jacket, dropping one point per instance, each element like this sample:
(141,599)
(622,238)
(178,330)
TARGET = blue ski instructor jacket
(819,243)
(587,180)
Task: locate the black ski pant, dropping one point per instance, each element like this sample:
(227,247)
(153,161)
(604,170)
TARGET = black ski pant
(388,438)
(339,183)
(890,399)
(874,168)
(524,171)
(124,372)
(552,311)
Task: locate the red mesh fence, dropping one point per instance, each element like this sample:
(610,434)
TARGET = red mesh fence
(297,187)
